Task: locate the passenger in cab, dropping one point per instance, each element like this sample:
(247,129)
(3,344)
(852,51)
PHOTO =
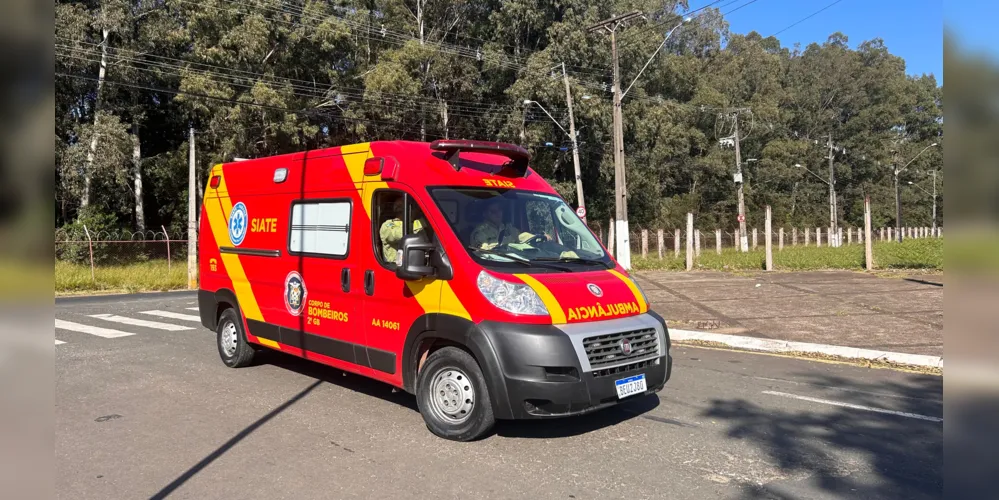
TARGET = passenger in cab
(392,230)
(493,231)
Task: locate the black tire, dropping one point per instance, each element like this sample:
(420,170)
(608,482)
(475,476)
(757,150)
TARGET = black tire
(456,366)
(243,353)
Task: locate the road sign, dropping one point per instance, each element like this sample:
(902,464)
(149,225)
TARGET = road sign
(581,212)
(742,218)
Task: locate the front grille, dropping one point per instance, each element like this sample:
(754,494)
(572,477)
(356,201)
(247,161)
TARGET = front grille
(606,350)
(617,370)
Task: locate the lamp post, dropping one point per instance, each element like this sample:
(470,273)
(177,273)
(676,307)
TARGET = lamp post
(575,150)
(898,193)
(933,195)
(622,245)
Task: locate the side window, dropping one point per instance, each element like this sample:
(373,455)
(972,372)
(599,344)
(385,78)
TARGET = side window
(391,209)
(320,227)
(539,218)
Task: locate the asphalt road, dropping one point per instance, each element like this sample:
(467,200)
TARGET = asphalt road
(156,414)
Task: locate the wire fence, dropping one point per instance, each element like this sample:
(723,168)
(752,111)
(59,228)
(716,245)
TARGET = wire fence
(106,249)
(663,242)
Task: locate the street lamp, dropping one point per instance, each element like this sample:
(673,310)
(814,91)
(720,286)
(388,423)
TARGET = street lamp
(933,195)
(575,152)
(898,193)
(817,176)
(622,244)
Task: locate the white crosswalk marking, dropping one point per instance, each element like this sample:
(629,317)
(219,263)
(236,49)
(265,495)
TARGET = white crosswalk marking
(141,322)
(192,308)
(173,315)
(59,342)
(92,330)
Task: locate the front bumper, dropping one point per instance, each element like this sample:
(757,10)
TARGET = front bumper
(545,371)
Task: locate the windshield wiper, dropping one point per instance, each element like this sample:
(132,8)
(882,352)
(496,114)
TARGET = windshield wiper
(577,260)
(519,259)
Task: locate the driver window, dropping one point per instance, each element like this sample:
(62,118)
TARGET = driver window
(390,209)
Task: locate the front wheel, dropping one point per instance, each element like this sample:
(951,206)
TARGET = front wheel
(452,396)
(234,350)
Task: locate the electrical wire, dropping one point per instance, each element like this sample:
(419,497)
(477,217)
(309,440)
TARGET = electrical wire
(813,14)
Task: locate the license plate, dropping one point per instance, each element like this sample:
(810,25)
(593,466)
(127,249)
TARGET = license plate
(629,386)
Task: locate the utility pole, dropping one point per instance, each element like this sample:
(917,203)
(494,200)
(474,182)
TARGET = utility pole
(575,147)
(934,202)
(192,226)
(898,200)
(743,237)
(622,244)
(833,233)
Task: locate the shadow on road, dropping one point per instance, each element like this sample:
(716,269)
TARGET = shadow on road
(221,450)
(847,452)
(541,428)
(574,426)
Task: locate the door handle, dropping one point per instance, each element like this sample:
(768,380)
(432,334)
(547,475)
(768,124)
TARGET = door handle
(369,282)
(345,280)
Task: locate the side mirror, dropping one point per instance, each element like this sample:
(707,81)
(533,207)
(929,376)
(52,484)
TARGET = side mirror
(414,258)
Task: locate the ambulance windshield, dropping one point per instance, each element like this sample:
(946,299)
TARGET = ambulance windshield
(520,229)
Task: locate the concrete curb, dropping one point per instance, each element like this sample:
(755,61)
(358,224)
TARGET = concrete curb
(769,345)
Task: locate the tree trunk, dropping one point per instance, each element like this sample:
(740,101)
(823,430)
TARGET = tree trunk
(85,198)
(140,222)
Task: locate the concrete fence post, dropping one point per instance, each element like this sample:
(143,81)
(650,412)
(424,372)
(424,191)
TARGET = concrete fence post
(718,242)
(676,243)
(661,240)
(690,241)
(818,237)
(610,237)
(755,244)
(860,236)
(868,246)
(645,243)
(794,236)
(737,239)
(768,241)
(807,236)
(849,235)
(839,237)
(882,234)
(780,241)
(90,244)
(697,242)
(167,236)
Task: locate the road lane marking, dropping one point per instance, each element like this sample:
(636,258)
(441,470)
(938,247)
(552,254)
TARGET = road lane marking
(173,315)
(855,407)
(59,342)
(192,308)
(92,330)
(141,322)
(878,394)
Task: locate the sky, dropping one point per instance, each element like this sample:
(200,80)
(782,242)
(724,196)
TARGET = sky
(911,29)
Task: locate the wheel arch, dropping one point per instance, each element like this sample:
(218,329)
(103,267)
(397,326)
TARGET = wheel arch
(438,330)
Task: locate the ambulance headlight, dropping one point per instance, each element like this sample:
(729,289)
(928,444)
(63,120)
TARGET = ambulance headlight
(514,298)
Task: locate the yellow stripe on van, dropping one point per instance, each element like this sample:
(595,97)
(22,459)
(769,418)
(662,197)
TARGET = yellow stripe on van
(436,295)
(547,298)
(218,210)
(642,306)
(269,343)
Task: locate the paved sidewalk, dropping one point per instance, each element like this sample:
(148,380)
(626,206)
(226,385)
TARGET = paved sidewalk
(903,313)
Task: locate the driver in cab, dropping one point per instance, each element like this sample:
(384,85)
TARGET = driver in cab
(493,232)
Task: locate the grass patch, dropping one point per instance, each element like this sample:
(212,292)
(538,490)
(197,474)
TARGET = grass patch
(910,254)
(147,276)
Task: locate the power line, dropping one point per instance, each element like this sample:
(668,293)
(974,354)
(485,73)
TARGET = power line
(813,14)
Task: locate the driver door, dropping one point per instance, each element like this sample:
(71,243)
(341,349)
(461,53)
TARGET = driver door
(392,305)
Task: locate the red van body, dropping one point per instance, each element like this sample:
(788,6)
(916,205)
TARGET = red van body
(291,259)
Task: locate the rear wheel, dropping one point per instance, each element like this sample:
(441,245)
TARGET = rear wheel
(234,350)
(452,396)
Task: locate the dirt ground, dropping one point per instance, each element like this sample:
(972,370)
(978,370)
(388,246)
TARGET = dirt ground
(901,312)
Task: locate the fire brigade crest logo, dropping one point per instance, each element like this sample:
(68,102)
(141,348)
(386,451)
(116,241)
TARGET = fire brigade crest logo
(238,222)
(294,293)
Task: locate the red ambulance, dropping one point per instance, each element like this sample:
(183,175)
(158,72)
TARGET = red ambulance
(449,269)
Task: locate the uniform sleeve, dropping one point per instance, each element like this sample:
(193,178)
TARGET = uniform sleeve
(476,238)
(390,232)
